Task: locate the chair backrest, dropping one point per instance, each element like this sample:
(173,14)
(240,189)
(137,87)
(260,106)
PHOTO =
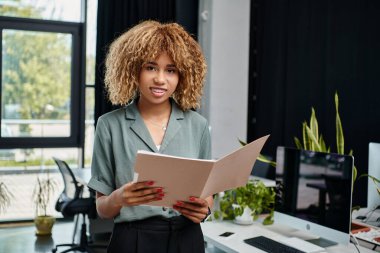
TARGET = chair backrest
(72,189)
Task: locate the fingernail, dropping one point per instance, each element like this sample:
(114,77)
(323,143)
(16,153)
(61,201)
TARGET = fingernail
(192,199)
(179,203)
(158,198)
(149,183)
(161,194)
(159,190)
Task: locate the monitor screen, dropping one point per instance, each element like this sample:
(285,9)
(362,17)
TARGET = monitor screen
(315,193)
(373,170)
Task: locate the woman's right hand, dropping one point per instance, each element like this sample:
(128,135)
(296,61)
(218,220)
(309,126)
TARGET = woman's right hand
(130,194)
(138,193)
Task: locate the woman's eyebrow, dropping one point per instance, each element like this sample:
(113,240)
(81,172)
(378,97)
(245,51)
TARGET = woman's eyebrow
(155,63)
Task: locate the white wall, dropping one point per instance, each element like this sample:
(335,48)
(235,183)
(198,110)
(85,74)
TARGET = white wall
(224,37)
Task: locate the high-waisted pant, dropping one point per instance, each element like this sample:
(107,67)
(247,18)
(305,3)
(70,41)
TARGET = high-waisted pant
(157,235)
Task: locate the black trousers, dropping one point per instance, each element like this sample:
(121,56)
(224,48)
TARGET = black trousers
(157,235)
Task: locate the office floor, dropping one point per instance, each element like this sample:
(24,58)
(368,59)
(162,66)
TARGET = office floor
(21,238)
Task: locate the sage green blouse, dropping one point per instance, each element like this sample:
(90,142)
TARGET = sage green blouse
(122,132)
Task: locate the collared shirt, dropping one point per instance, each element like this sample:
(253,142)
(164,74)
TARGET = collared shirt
(121,133)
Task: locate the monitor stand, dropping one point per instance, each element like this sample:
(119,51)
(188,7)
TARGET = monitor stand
(322,242)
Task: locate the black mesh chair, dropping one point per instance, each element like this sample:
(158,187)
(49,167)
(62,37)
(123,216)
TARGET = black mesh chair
(70,204)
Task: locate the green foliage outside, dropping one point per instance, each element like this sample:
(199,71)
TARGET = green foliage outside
(28,163)
(36,73)
(37,162)
(19,10)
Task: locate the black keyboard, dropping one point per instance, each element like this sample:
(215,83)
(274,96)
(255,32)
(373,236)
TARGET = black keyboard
(269,245)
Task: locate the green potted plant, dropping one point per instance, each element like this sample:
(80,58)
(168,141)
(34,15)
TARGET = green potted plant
(42,195)
(251,200)
(314,141)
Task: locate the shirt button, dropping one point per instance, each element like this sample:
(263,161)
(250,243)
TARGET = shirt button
(164,209)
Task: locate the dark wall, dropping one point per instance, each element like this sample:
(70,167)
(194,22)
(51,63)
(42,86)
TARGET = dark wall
(301,53)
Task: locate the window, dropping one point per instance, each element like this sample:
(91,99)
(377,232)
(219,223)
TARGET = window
(41,83)
(46,95)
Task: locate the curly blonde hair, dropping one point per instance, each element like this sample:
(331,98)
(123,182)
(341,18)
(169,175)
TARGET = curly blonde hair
(144,42)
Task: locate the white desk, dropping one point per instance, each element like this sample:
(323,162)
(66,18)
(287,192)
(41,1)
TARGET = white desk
(235,244)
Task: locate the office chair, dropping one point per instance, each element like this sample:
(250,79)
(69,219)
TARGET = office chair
(71,203)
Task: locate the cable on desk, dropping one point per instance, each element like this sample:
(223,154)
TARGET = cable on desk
(354,242)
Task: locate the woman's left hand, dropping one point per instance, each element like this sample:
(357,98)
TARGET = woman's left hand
(195,209)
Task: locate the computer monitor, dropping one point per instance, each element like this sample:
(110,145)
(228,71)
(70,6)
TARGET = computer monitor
(315,194)
(373,170)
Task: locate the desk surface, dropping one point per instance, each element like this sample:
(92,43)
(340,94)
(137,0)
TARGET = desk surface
(234,244)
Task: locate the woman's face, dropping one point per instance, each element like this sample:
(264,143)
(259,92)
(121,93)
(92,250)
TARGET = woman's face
(158,80)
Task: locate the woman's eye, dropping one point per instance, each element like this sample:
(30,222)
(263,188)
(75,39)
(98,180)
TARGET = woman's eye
(150,68)
(172,71)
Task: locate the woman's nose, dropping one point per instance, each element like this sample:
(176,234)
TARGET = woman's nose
(160,78)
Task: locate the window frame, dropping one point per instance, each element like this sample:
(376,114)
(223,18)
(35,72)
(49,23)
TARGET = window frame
(77,96)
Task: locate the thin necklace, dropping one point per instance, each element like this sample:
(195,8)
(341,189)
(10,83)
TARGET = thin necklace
(163,126)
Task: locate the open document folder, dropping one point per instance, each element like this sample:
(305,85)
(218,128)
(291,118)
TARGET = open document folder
(184,177)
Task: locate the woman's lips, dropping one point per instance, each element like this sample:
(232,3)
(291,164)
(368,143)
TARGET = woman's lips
(158,92)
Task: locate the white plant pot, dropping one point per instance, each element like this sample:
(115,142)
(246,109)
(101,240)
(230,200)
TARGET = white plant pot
(245,218)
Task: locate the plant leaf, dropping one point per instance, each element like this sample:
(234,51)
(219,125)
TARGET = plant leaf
(339,128)
(314,123)
(306,140)
(355,208)
(322,143)
(313,139)
(242,142)
(262,158)
(298,143)
(5,197)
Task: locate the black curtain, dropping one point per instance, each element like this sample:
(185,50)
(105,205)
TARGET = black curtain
(117,16)
(302,51)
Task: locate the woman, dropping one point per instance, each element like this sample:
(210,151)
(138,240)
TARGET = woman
(157,71)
